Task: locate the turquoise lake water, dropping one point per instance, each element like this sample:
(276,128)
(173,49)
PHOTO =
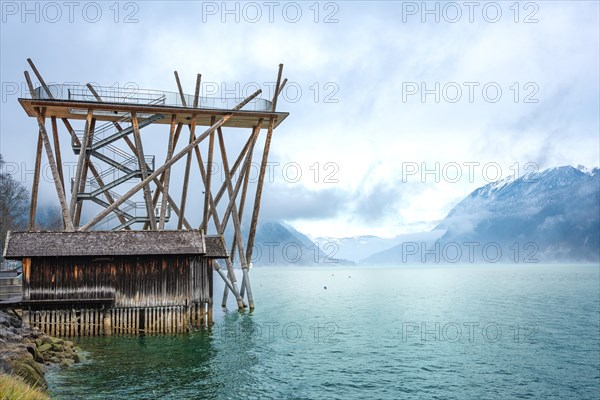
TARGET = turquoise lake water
(459,332)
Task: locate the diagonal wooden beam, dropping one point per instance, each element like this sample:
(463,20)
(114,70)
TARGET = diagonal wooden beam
(172,161)
(57,150)
(39,76)
(38,164)
(213,208)
(181,95)
(232,198)
(230,285)
(243,198)
(59,188)
(246,166)
(236,164)
(245,174)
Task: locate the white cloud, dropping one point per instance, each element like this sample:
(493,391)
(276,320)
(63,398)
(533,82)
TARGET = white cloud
(366,59)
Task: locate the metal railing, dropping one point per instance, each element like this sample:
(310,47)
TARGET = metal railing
(136,209)
(133,95)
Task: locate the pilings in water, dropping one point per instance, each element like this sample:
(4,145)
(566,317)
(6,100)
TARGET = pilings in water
(119,321)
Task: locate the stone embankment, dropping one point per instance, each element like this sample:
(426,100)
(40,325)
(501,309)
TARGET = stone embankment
(27,353)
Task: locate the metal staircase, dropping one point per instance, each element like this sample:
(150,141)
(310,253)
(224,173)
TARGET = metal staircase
(123,167)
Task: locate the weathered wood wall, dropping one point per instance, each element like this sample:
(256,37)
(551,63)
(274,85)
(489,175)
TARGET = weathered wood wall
(89,296)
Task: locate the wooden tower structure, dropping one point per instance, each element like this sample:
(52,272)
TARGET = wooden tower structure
(113,168)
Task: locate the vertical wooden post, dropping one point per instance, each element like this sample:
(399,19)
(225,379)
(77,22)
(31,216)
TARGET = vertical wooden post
(167,176)
(207,181)
(84,173)
(107,323)
(188,160)
(142,164)
(26,317)
(196,149)
(263,167)
(186,176)
(243,198)
(210,295)
(36,182)
(80,162)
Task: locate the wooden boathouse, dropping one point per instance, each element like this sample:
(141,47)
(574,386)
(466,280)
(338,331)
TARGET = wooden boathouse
(145,271)
(116,282)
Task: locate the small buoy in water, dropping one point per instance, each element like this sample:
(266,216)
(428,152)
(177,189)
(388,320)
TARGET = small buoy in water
(325,287)
(349,276)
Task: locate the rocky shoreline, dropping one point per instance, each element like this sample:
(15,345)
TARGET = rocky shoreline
(28,352)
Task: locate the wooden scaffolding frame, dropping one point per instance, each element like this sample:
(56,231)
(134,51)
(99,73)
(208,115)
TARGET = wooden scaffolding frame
(44,105)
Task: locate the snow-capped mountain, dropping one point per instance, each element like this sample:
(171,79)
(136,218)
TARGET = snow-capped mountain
(547,216)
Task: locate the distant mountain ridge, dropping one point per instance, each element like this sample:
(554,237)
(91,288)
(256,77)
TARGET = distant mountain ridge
(357,248)
(547,216)
(278,243)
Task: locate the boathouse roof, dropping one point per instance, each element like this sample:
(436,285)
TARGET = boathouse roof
(112,243)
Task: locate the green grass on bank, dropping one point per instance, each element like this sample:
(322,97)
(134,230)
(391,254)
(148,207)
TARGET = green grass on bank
(14,388)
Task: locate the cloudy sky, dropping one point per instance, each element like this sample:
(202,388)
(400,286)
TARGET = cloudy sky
(397,109)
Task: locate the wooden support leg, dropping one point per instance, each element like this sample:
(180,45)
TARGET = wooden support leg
(84,172)
(186,176)
(231,285)
(142,163)
(167,176)
(80,162)
(36,183)
(59,188)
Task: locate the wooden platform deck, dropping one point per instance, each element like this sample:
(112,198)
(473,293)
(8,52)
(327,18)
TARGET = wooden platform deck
(106,111)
